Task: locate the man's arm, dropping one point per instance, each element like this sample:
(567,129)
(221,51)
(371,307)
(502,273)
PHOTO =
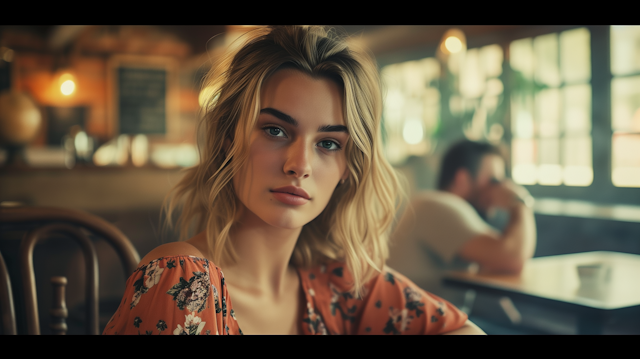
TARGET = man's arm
(509,251)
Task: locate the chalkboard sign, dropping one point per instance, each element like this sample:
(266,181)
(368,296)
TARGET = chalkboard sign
(143,96)
(142,100)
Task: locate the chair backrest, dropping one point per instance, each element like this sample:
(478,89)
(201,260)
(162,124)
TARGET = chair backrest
(6,301)
(44,222)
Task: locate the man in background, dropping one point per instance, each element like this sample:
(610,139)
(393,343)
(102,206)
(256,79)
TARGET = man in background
(447,229)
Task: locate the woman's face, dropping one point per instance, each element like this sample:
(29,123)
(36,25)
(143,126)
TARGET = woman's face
(297,155)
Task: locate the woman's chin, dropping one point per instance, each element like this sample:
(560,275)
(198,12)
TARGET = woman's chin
(286,222)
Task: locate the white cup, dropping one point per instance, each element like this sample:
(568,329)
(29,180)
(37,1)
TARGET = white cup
(594,274)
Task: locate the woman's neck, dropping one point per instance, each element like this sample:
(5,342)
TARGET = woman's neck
(263,254)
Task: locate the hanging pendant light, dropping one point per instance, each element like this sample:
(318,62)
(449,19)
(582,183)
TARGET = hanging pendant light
(67,83)
(64,77)
(452,48)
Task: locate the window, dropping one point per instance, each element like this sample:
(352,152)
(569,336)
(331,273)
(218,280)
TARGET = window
(625,105)
(428,102)
(412,108)
(551,109)
(612,128)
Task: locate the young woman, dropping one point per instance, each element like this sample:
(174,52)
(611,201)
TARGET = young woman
(293,201)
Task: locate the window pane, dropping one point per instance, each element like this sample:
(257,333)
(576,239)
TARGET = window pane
(430,68)
(413,78)
(521,116)
(550,175)
(549,170)
(490,99)
(413,110)
(626,161)
(524,160)
(549,151)
(395,150)
(521,57)
(577,151)
(390,75)
(494,87)
(491,58)
(472,79)
(575,60)
(625,50)
(577,109)
(393,113)
(577,156)
(393,108)
(546,56)
(411,107)
(625,103)
(548,112)
(578,175)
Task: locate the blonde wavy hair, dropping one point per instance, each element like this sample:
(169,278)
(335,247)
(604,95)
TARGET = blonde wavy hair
(355,225)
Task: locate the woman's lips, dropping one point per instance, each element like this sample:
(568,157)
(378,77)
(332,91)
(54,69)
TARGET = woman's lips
(291,195)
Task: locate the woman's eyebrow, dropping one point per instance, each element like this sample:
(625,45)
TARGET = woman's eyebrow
(290,120)
(333,128)
(283,116)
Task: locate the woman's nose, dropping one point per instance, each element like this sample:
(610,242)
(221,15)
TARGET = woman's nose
(298,162)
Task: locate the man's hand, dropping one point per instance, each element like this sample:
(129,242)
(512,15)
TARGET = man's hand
(508,251)
(505,194)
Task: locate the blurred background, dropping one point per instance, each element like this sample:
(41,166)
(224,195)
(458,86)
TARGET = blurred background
(103,119)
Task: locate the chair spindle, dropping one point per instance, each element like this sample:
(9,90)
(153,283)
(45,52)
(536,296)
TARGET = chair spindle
(59,311)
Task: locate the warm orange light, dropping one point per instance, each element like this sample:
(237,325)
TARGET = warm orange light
(67,84)
(452,44)
(67,87)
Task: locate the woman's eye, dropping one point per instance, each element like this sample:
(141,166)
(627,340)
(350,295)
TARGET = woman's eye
(274,131)
(329,145)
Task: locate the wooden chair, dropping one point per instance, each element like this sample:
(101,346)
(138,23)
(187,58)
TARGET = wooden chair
(6,301)
(43,222)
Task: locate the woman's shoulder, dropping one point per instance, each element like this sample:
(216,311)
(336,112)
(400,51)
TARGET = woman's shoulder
(194,247)
(173,249)
(174,287)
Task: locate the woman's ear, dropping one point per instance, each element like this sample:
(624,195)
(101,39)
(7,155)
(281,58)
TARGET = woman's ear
(345,176)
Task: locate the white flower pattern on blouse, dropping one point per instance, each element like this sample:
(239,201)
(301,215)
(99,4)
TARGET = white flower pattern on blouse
(152,274)
(193,325)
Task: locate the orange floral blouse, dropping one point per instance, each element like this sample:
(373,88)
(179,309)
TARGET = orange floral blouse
(186,295)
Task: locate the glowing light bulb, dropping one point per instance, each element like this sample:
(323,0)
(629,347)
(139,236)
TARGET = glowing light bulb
(67,87)
(67,84)
(453,44)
